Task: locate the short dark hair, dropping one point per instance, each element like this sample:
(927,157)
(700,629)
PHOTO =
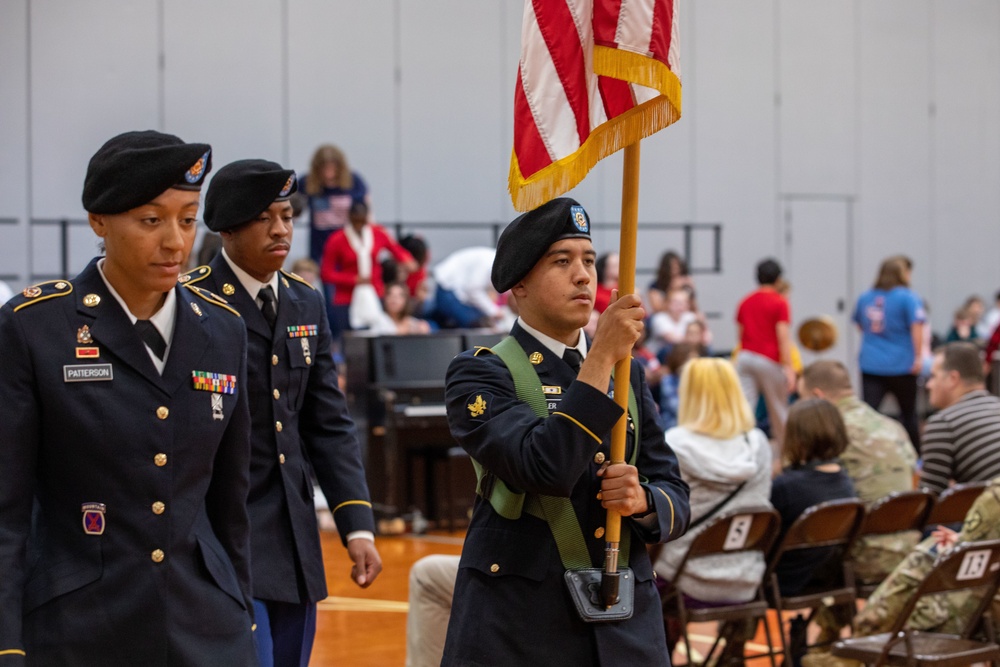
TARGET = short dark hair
(416,246)
(815,431)
(359,209)
(768,272)
(963,358)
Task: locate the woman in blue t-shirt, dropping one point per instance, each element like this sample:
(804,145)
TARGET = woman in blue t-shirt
(891,318)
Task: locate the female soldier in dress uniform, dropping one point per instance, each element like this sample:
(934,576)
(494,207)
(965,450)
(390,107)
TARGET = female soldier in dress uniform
(124,445)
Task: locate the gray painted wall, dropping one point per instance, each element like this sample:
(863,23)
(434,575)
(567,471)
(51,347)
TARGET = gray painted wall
(828,133)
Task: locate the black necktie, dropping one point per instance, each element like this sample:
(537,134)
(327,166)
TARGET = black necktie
(151,337)
(573,357)
(266,295)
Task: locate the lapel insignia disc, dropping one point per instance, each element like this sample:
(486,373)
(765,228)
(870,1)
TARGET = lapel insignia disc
(228,289)
(91,300)
(93,518)
(196,309)
(219,383)
(83,336)
(535,358)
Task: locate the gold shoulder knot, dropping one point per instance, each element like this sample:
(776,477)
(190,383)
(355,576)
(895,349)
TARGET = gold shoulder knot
(194,275)
(211,297)
(297,277)
(41,292)
(480,349)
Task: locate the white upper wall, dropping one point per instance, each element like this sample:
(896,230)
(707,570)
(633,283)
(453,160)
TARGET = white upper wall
(872,127)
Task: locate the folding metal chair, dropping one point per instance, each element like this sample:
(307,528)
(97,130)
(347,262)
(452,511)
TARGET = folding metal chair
(833,524)
(739,531)
(897,512)
(971,565)
(954,503)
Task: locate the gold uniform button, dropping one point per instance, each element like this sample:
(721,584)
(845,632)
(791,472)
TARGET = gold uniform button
(599,458)
(160,460)
(162,412)
(281,459)
(157,556)
(274,360)
(158,507)
(494,568)
(276,394)
(309,361)
(599,533)
(278,427)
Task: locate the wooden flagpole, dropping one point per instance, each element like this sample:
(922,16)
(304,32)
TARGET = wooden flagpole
(626,285)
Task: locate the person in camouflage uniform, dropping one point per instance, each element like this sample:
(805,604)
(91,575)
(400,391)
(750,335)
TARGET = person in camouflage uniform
(945,612)
(879,459)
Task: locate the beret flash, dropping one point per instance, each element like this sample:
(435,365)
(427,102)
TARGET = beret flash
(244,189)
(529,236)
(134,168)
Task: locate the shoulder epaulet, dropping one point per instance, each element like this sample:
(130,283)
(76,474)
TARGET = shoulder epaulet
(41,292)
(195,274)
(480,349)
(295,276)
(212,298)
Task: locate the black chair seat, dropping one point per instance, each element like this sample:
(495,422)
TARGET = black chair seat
(929,648)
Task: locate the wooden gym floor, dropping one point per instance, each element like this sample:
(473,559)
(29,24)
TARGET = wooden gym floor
(367,628)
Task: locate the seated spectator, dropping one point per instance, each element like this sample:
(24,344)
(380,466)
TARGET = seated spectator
(944,613)
(963,327)
(651,366)
(962,439)
(308,270)
(398,319)
(607,280)
(672,274)
(697,334)
(415,280)
(727,464)
(815,436)
(351,259)
(432,586)
(669,399)
(988,324)
(880,460)
(464,296)
(669,326)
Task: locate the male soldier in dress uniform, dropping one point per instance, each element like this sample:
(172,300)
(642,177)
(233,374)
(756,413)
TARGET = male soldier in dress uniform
(300,419)
(511,605)
(125,439)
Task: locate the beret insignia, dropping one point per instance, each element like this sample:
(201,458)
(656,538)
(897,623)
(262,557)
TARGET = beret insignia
(288,186)
(197,169)
(580,219)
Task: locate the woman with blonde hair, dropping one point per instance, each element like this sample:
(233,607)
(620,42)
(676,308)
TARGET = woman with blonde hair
(328,191)
(726,462)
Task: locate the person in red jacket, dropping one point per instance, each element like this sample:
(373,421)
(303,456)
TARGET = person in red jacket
(350,259)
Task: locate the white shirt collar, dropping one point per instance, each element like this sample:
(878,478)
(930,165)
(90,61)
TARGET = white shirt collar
(251,284)
(557,347)
(163,319)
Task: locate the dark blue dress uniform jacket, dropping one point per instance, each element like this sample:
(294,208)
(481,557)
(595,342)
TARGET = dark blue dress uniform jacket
(511,606)
(168,581)
(294,385)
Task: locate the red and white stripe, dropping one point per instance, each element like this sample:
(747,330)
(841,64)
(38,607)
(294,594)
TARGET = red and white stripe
(559,100)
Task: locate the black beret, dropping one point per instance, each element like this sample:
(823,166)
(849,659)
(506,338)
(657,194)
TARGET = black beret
(526,239)
(135,168)
(244,189)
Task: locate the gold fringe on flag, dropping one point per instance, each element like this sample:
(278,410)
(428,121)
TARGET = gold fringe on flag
(627,128)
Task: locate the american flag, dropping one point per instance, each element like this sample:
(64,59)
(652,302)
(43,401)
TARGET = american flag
(594,77)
